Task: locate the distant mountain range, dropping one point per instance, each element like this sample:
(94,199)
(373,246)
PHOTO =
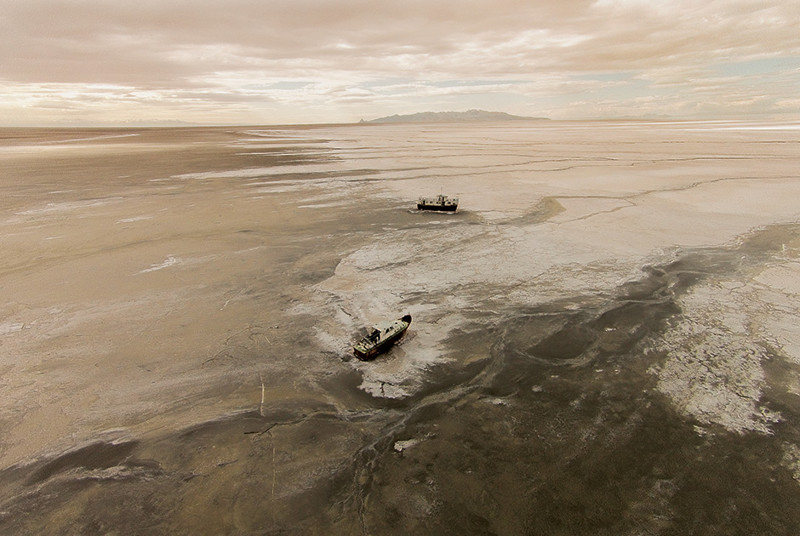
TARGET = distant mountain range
(451,117)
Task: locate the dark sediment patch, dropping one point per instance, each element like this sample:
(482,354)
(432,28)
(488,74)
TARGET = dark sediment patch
(543,211)
(98,455)
(252,472)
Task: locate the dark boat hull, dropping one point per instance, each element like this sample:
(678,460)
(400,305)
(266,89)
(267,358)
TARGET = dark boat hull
(439,208)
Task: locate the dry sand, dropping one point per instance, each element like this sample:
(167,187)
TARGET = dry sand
(177,308)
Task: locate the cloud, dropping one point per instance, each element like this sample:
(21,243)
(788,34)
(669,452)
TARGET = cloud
(253,56)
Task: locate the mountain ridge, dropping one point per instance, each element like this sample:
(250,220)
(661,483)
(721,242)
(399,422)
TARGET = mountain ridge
(452,117)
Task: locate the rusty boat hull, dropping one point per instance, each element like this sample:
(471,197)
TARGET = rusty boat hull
(381,338)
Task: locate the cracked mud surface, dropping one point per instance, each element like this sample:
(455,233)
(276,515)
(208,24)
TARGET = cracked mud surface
(605,335)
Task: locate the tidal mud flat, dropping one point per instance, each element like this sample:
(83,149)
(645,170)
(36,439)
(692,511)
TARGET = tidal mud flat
(605,335)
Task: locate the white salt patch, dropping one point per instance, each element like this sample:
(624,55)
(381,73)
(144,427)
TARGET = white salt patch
(713,369)
(134,219)
(786,126)
(715,377)
(51,208)
(11,327)
(778,290)
(400,446)
(169,261)
(324,205)
(74,140)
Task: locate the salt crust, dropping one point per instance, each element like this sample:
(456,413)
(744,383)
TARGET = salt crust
(716,350)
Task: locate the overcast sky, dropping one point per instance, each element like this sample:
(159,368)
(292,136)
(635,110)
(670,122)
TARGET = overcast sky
(313,61)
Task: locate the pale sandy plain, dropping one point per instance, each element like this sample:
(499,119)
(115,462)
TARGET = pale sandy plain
(605,336)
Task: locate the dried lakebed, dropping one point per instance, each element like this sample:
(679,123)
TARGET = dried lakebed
(587,359)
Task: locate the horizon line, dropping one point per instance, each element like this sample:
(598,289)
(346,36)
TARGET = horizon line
(185,124)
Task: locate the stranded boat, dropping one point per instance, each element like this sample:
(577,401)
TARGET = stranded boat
(381,337)
(440,202)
